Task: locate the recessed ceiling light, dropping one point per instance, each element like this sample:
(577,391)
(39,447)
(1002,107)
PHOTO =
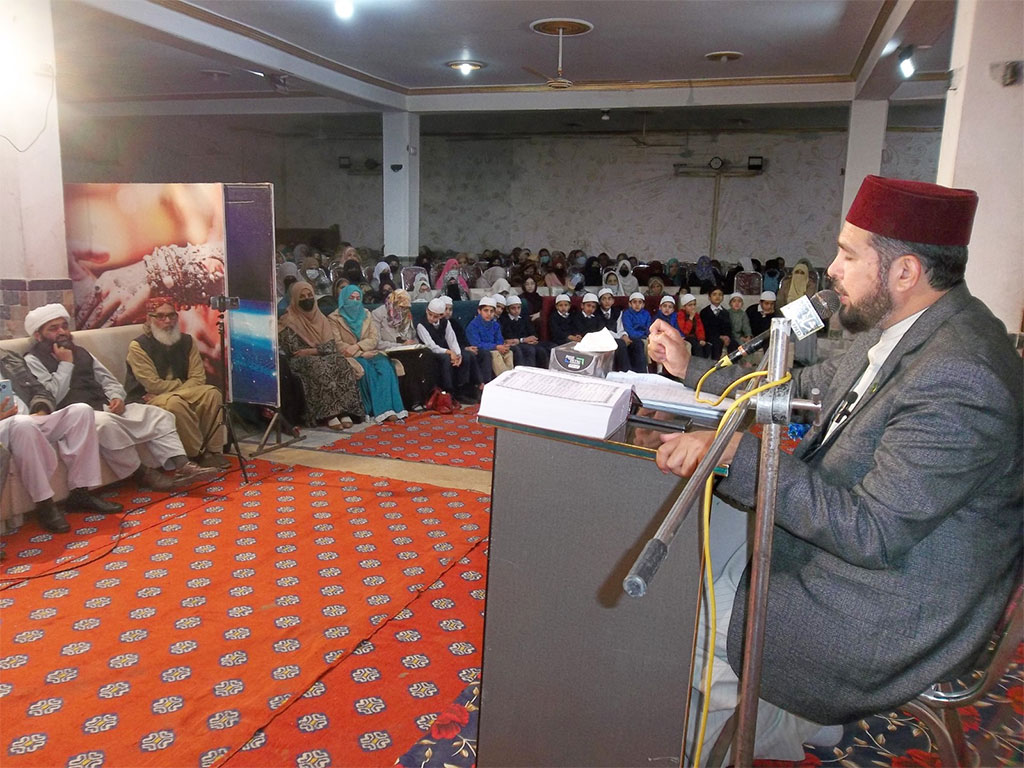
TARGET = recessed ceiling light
(465,66)
(344,9)
(723,56)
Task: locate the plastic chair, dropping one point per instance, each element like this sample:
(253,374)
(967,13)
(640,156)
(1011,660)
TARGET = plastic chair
(408,276)
(748,283)
(937,707)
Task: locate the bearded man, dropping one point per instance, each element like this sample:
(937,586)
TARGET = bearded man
(72,375)
(897,530)
(165,369)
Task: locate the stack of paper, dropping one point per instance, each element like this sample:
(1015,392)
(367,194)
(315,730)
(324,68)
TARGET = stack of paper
(562,402)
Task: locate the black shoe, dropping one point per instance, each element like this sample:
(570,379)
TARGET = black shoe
(190,473)
(51,518)
(80,499)
(154,479)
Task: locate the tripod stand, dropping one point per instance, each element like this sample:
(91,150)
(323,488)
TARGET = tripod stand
(225,412)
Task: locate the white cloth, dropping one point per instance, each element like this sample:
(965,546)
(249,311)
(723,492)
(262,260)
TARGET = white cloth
(31,441)
(779,734)
(139,425)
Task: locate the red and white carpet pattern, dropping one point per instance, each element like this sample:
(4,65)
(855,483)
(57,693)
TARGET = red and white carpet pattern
(212,613)
(428,437)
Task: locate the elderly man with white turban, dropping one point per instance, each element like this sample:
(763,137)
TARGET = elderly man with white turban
(72,375)
(30,428)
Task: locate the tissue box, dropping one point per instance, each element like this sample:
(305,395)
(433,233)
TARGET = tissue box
(567,359)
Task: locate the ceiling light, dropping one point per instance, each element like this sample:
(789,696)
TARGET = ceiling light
(465,66)
(723,56)
(907,67)
(344,9)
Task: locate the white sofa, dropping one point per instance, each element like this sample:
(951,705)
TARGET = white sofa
(110,346)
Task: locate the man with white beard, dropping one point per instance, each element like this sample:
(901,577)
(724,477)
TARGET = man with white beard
(72,375)
(166,370)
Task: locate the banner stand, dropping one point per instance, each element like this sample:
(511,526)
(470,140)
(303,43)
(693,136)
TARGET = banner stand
(276,425)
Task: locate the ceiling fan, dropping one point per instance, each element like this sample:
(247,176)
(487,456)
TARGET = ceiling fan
(560,27)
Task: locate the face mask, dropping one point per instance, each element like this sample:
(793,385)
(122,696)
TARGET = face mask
(624,271)
(313,274)
(307,304)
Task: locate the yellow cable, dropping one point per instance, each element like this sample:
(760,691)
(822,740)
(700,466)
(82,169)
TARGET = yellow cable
(730,388)
(708,581)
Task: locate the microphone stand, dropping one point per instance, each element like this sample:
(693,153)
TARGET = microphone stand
(773,409)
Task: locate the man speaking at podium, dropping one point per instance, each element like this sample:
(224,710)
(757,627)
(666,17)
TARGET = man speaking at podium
(898,525)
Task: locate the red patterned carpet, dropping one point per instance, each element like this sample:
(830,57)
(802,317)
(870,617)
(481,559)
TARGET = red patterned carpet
(211,613)
(456,440)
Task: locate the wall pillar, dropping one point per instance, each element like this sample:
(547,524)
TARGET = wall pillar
(401,185)
(982,149)
(866,139)
(33,260)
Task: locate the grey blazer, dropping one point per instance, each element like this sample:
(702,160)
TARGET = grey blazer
(897,540)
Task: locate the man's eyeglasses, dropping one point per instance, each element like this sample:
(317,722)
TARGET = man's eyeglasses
(164,315)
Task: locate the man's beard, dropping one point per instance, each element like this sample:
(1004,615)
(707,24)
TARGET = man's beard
(167,338)
(870,312)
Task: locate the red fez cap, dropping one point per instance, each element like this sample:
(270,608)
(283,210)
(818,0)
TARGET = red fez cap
(914,211)
(154,303)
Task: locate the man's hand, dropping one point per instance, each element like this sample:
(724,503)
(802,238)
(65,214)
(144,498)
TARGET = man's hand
(63,354)
(667,347)
(116,406)
(575,337)
(7,408)
(511,342)
(502,348)
(680,453)
(726,340)
(530,340)
(456,359)
(474,350)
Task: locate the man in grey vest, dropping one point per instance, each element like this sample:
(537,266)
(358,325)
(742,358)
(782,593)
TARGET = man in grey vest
(897,536)
(72,375)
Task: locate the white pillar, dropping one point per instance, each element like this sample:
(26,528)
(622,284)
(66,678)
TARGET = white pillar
(866,139)
(982,149)
(402,185)
(33,260)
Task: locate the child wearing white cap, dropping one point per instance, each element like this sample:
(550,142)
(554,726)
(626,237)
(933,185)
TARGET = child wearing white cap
(587,320)
(740,322)
(562,322)
(485,334)
(456,373)
(628,356)
(691,326)
(519,333)
(636,321)
(760,315)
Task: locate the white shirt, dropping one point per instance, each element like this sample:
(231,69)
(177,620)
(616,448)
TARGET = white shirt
(449,337)
(877,356)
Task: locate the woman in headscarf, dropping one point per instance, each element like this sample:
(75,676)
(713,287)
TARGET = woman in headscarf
(421,290)
(490,276)
(592,271)
(451,281)
(705,274)
(673,274)
(556,275)
(285,269)
(308,343)
(805,350)
(358,337)
(611,280)
(533,302)
(627,283)
(396,334)
(380,272)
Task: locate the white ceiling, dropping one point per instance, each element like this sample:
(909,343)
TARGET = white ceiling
(643,60)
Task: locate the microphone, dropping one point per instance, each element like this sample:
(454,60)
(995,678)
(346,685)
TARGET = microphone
(825,304)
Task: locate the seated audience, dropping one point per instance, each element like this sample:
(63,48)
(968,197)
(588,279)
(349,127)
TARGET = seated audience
(805,350)
(357,333)
(451,282)
(485,334)
(705,276)
(739,320)
(165,369)
(627,283)
(72,375)
(587,319)
(636,322)
(518,331)
(628,356)
(329,382)
(761,314)
(562,322)
(396,335)
(421,290)
(476,358)
(533,302)
(381,272)
(499,307)
(611,280)
(674,274)
(454,374)
(667,310)
(31,428)
(690,325)
(717,325)
(655,286)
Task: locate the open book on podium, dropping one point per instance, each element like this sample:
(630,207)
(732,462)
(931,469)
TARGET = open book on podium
(562,402)
(663,394)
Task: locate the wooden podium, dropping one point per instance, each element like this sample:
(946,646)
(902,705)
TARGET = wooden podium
(575,672)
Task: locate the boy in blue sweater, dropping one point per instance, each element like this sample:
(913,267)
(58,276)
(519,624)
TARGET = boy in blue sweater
(634,324)
(485,334)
